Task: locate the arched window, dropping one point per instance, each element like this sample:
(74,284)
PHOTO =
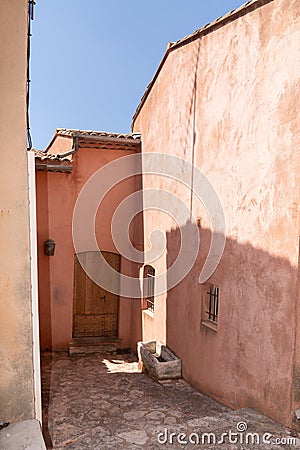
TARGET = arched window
(149,279)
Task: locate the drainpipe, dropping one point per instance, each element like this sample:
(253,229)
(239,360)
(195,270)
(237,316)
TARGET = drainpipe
(73,150)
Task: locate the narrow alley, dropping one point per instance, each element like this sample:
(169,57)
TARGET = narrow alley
(104,402)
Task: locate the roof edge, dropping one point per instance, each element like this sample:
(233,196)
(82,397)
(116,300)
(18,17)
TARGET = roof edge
(97,135)
(206,29)
(45,167)
(133,142)
(133,139)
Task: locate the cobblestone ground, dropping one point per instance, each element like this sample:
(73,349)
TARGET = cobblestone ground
(102,402)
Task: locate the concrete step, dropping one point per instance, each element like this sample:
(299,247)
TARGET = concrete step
(81,346)
(22,435)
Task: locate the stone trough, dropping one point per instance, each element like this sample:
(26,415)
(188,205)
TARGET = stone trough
(158,361)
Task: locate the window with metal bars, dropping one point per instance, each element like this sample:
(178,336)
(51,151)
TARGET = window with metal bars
(212,304)
(149,283)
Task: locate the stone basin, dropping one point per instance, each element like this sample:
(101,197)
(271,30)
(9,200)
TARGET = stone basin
(158,361)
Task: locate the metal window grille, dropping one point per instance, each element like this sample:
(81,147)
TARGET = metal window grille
(150,291)
(213,304)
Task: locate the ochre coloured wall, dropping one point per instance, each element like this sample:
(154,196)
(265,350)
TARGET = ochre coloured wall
(16,352)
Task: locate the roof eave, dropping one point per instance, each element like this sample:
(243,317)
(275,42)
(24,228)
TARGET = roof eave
(45,167)
(131,142)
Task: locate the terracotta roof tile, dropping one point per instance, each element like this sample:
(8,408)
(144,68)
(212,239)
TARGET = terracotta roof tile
(44,156)
(105,134)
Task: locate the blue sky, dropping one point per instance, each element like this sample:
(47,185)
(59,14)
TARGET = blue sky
(91,60)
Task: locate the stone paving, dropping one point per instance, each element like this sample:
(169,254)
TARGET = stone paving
(103,402)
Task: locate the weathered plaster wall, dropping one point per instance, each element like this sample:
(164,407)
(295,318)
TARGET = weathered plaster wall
(16,359)
(243,133)
(56,197)
(60,144)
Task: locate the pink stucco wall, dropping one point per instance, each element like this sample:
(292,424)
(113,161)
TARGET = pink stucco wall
(56,197)
(229,101)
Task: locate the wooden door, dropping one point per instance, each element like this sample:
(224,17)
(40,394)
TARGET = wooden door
(95,310)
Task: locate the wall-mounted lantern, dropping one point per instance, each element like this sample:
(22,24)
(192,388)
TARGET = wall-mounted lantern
(49,247)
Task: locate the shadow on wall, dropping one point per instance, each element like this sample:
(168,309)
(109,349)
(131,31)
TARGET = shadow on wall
(246,358)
